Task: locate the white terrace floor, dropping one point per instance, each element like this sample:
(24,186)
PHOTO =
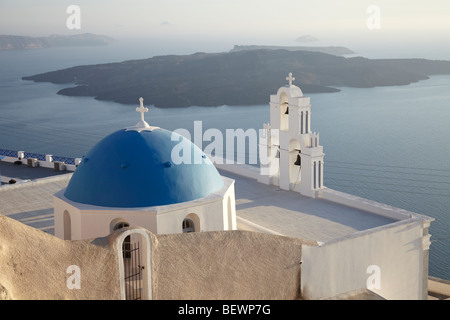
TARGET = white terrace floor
(31,202)
(283,212)
(291,214)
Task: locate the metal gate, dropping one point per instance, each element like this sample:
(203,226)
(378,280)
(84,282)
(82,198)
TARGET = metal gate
(132,270)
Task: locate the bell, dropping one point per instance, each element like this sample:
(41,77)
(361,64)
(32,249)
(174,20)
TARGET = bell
(298,162)
(287,110)
(278,154)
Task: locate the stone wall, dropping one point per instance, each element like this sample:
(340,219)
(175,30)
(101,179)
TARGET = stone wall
(226,265)
(206,265)
(34,265)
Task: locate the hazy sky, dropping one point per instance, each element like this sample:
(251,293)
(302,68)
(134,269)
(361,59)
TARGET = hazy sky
(277,20)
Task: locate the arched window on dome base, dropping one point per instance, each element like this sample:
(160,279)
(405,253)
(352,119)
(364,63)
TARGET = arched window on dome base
(67,225)
(188,226)
(191,223)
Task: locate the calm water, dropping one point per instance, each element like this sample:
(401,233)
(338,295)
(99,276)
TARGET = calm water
(389,144)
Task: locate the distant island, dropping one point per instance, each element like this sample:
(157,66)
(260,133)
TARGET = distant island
(306,38)
(243,77)
(337,51)
(11,42)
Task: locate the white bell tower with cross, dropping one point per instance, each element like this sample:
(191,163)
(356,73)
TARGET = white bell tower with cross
(290,154)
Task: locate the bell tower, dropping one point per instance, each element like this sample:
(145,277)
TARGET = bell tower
(290,154)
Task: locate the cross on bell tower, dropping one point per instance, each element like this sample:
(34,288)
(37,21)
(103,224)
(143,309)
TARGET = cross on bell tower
(290,78)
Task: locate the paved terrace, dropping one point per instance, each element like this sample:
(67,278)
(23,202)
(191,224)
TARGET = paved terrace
(22,172)
(31,202)
(283,212)
(291,214)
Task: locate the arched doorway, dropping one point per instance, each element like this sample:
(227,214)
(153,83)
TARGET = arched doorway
(126,246)
(135,272)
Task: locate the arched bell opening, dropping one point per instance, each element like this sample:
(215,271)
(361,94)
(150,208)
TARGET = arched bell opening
(298,162)
(277,155)
(295,162)
(284,112)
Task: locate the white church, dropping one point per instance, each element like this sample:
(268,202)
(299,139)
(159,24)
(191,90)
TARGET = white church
(129,179)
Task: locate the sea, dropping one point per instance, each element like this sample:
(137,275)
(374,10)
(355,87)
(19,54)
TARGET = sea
(388,144)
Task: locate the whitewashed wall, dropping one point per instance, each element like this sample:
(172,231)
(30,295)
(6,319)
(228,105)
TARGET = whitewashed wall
(342,265)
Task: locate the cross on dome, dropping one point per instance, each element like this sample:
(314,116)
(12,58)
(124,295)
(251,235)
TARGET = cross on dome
(142,125)
(142,109)
(290,78)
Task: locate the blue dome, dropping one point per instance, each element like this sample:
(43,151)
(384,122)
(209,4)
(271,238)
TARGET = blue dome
(134,169)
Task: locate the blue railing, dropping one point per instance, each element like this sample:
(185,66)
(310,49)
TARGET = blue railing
(39,156)
(8,153)
(66,160)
